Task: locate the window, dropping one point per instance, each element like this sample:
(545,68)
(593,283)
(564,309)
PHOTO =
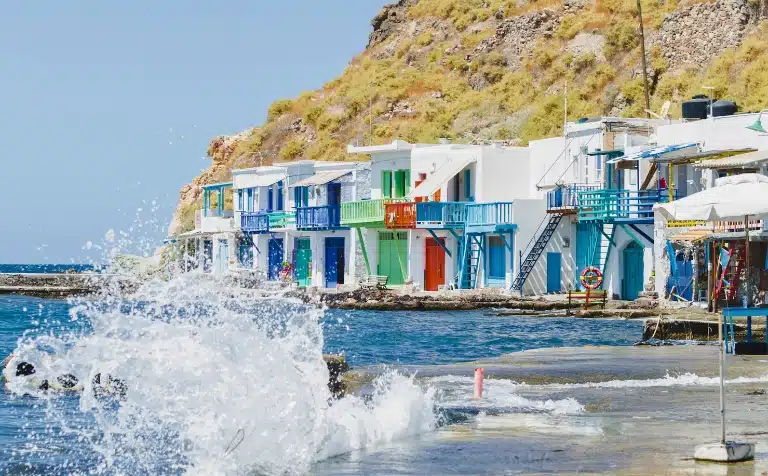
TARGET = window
(240,200)
(280,196)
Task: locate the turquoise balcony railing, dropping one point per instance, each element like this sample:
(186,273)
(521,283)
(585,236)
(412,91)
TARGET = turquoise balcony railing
(318,218)
(441,214)
(495,214)
(611,205)
(366,213)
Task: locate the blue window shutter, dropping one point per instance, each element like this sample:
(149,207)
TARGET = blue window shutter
(468,185)
(280,196)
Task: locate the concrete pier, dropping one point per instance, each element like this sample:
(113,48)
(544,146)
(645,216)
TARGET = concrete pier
(60,285)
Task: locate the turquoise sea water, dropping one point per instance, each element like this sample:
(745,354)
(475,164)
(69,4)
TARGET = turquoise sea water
(46,268)
(34,438)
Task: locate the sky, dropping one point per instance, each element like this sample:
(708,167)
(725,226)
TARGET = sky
(107,108)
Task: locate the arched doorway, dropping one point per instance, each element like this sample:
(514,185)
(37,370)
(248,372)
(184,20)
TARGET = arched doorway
(632,279)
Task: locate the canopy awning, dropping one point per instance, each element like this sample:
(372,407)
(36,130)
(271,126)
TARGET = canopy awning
(439,177)
(692,236)
(321,178)
(732,198)
(748,160)
(666,152)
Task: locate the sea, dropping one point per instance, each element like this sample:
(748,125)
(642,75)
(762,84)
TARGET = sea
(47,268)
(220,382)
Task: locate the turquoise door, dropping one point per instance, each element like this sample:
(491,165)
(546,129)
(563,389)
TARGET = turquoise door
(632,282)
(554,261)
(303,262)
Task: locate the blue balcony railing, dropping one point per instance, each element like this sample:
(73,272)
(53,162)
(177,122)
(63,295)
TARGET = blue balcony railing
(497,214)
(441,214)
(254,222)
(567,196)
(318,218)
(620,205)
(264,222)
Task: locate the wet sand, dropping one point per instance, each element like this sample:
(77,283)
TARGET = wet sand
(634,426)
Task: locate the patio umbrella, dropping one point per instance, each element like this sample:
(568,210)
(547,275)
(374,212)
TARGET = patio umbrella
(732,198)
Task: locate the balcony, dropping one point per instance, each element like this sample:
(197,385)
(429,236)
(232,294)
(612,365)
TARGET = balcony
(621,206)
(755,226)
(488,217)
(441,215)
(566,199)
(213,220)
(400,215)
(318,218)
(263,222)
(366,213)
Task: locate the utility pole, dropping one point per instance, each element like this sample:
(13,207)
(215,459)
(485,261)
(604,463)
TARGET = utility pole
(645,65)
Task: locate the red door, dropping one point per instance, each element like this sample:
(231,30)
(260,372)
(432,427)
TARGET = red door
(434,266)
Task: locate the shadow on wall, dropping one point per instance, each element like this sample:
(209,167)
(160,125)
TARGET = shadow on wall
(537,280)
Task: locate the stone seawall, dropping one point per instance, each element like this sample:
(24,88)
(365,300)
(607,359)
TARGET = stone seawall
(58,286)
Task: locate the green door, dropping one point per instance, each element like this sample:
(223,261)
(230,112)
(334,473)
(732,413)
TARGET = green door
(303,262)
(393,256)
(632,282)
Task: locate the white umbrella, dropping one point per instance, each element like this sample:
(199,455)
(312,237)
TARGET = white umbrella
(732,198)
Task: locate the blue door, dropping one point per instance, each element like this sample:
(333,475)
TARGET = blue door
(334,194)
(632,282)
(554,261)
(223,262)
(497,262)
(274,258)
(245,252)
(334,262)
(207,255)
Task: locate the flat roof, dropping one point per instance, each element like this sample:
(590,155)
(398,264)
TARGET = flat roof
(218,185)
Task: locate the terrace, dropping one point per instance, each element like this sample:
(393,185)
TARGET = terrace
(366,213)
(620,206)
(263,222)
(326,217)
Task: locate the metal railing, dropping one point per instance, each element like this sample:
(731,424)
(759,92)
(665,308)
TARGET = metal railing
(366,211)
(488,214)
(441,214)
(400,215)
(567,196)
(621,205)
(264,222)
(737,226)
(318,218)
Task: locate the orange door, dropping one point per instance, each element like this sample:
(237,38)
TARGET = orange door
(434,266)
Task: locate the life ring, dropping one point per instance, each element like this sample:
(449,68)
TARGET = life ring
(591,277)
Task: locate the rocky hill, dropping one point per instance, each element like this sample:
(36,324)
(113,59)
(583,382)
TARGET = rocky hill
(496,70)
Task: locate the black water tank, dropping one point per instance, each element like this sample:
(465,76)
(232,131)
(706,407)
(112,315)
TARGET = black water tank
(724,108)
(696,108)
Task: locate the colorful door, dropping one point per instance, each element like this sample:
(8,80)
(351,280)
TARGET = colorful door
(434,266)
(554,262)
(334,262)
(497,262)
(303,262)
(274,258)
(632,283)
(393,256)
(223,262)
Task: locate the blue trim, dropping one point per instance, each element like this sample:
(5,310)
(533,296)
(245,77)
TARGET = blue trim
(215,186)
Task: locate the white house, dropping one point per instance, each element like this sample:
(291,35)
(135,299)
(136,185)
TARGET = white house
(424,198)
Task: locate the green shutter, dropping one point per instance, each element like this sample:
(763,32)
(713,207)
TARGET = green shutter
(407,181)
(386,184)
(399,184)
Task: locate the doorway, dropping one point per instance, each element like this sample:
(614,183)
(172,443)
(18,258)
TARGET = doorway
(434,266)
(334,262)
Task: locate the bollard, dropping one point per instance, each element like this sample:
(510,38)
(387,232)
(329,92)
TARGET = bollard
(479,373)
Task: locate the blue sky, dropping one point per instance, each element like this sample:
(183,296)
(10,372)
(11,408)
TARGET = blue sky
(106,107)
